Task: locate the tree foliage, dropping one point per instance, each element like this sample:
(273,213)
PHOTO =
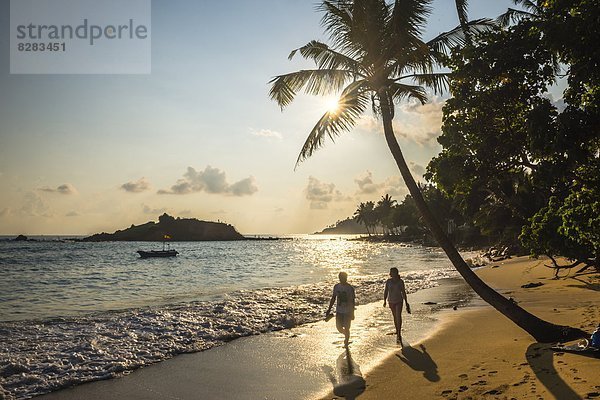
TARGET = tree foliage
(518,163)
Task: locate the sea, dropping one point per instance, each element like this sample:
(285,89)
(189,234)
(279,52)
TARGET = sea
(74,312)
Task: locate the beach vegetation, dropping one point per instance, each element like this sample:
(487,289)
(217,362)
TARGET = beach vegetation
(525,166)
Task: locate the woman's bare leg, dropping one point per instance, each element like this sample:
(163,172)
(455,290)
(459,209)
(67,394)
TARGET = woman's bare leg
(397,313)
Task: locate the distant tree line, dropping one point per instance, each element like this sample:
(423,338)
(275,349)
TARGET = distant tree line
(402,219)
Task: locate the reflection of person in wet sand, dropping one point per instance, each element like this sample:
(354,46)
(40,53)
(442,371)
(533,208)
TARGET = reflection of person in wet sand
(349,382)
(344,310)
(395,295)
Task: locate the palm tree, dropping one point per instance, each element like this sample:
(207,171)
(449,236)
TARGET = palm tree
(377,57)
(364,215)
(384,212)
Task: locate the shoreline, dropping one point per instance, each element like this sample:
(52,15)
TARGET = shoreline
(478,353)
(296,363)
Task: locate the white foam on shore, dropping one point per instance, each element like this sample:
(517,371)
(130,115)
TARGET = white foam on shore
(41,356)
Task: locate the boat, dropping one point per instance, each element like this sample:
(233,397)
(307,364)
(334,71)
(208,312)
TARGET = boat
(157,253)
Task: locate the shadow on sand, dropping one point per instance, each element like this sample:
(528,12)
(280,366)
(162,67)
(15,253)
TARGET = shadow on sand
(347,380)
(539,357)
(420,361)
(585,284)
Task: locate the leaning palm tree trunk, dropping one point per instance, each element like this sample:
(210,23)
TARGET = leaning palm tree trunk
(541,330)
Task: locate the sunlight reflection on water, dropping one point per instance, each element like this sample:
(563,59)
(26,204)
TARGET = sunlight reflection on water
(47,279)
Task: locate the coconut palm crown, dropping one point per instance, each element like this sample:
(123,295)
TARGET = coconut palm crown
(378,58)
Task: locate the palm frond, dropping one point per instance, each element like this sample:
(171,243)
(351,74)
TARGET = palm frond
(337,21)
(400,91)
(456,37)
(409,17)
(352,103)
(528,4)
(438,81)
(420,58)
(513,16)
(461,10)
(326,58)
(314,81)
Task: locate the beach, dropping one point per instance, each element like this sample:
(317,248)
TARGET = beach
(478,353)
(469,353)
(298,363)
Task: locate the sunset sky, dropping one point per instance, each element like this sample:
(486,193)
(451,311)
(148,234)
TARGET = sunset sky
(199,136)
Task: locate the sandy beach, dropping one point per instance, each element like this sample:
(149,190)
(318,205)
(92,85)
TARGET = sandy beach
(299,363)
(478,353)
(470,353)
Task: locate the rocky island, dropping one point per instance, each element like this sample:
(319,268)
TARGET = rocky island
(177,229)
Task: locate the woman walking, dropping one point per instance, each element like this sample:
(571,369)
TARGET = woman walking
(395,295)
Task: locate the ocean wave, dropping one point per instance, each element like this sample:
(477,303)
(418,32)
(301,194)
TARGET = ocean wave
(40,356)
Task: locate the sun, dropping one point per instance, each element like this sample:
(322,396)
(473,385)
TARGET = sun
(332,105)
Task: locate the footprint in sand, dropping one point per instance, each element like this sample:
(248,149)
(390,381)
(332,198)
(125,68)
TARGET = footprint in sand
(493,392)
(463,388)
(463,376)
(593,395)
(446,392)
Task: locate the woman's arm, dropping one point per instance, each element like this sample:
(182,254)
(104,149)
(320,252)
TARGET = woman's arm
(405,297)
(385,294)
(333,297)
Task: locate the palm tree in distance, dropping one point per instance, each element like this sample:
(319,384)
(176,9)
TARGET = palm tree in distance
(365,215)
(377,58)
(384,212)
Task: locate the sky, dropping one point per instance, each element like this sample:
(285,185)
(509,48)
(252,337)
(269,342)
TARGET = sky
(198,137)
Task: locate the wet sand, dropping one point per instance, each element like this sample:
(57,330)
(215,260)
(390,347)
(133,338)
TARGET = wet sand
(301,363)
(479,354)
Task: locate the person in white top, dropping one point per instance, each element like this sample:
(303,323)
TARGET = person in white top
(395,295)
(344,310)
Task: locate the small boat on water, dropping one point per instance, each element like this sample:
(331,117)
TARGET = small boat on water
(157,253)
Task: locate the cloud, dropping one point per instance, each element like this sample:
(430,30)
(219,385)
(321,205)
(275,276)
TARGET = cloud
(65,188)
(211,180)
(34,206)
(72,214)
(186,213)
(5,212)
(266,133)
(320,194)
(366,184)
(245,187)
(420,123)
(152,211)
(139,186)
(394,186)
(418,169)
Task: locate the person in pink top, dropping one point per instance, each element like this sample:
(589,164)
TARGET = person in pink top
(395,295)
(343,292)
